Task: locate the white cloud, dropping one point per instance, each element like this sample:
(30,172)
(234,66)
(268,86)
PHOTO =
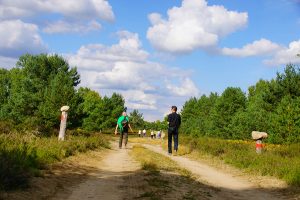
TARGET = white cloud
(100,58)
(257,48)
(186,88)
(83,13)
(88,9)
(11,12)
(7,62)
(138,99)
(17,38)
(286,55)
(193,25)
(67,27)
(125,67)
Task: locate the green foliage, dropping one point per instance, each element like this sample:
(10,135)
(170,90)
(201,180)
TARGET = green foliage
(196,114)
(289,81)
(37,88)
(32,94)
(156,125)
(230,102)
(99,113)
(136,119)
(286,121)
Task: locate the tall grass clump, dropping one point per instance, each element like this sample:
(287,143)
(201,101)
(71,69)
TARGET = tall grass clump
(23,156)
(282,161)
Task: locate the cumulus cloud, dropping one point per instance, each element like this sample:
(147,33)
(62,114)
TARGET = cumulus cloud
(126,68)
(12,12)
(257,48)
(99,57)
(67,27)
(138,99)
(193,25)
(17,38)
(83,13)
(186,88)
(286,55)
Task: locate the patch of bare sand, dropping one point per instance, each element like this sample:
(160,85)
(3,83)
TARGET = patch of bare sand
(232,185)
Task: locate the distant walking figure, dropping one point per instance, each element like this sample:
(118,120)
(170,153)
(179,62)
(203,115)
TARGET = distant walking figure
(174,121)
(144,133)
(123,125)
(152,134)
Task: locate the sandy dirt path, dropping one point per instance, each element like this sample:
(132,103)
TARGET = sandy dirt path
(115,175)
(231,187)
(107,182)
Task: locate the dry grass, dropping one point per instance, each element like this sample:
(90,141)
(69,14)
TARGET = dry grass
(155,162)
(163,175)
(146,140)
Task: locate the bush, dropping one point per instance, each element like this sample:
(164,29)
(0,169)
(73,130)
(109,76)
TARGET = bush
(6,127)
(16,164)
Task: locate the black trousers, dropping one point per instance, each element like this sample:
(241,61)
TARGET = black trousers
(172,133)
(125,136)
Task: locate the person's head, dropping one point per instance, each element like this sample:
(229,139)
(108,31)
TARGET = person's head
(124,113)
(174,109)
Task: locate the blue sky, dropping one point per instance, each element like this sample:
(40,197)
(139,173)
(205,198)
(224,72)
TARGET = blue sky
(156,53)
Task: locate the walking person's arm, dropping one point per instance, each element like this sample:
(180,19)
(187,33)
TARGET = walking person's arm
(130,128)
(116,131)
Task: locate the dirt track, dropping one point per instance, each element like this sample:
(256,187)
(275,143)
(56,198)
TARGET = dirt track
(231,187)
(107,182)
(115,175)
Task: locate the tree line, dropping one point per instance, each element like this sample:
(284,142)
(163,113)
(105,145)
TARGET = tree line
(32,93)
(269,106)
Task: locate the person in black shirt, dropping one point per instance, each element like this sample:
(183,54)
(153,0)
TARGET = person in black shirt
(174,121)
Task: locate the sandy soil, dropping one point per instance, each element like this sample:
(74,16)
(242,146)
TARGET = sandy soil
(107,182)
(232,186)
(114,175)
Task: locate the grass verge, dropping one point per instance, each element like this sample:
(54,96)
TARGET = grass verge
(282,161)
(23,156)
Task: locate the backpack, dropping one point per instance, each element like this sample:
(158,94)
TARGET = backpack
(124,123)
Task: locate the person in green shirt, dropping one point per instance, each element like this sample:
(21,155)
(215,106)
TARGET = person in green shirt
(123,125)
